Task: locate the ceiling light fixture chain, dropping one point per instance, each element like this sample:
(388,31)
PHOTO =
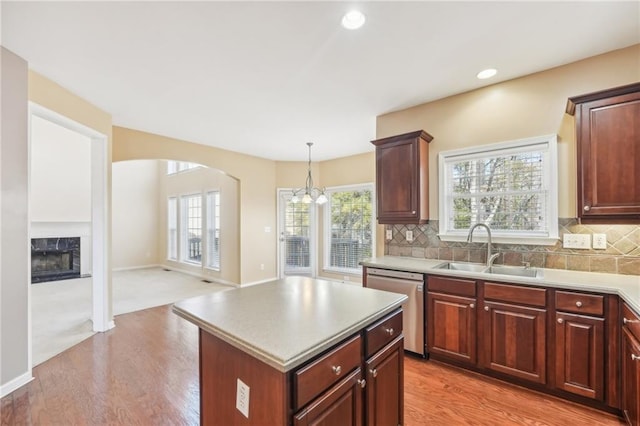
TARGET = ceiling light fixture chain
(309,189)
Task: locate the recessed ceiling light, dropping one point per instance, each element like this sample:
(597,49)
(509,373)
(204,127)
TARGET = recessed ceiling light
(488,73)
(353,20)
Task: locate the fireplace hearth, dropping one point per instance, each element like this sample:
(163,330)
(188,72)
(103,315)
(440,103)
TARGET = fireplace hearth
(54,259)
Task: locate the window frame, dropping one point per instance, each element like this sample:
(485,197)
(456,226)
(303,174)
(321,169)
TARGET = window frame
(175,214)
(547,145)
(326,237)
(206,225)
(175,167)
(184,227)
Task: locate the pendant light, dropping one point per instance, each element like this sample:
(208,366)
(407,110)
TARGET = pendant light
(309,189)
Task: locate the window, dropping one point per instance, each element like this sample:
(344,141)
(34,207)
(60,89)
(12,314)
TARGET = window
(213,230)
(172,228)
(511,186)
(174,167)
(191,231)
(348,228)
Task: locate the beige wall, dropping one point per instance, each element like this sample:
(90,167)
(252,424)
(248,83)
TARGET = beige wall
(256,179)
(200,181)
(135,200)
(60,173)
(14,226)
(529,106)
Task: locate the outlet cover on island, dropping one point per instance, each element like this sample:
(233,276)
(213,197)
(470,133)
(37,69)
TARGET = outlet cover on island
(600,241)
(409,235)
(242,398)
(576,241)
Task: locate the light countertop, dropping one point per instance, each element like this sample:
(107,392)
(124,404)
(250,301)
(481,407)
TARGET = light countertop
(287,322)
(626,286)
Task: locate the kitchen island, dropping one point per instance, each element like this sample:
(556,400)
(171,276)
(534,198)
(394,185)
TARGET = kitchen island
(293,350)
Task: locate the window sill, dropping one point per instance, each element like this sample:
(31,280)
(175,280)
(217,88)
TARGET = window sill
(534,241)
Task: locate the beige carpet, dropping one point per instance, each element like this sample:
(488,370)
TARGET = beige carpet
(61,310)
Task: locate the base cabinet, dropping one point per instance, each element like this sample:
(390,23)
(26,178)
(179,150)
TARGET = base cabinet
(452,331)
(630,366)
(384,384)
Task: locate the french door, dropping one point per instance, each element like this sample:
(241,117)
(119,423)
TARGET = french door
(297,236)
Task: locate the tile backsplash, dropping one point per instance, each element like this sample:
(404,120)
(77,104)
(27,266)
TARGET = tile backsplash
(622,255)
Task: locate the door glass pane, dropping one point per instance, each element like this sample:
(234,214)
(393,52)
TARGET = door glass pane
(296,235)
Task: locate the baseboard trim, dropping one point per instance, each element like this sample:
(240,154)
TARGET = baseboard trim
(133,268)
(16,383)
(201,276)
(249,284)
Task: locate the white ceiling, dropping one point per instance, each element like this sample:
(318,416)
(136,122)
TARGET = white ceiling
(264,78)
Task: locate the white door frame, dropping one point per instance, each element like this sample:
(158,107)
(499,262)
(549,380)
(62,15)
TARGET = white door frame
(313,235)
(102,317)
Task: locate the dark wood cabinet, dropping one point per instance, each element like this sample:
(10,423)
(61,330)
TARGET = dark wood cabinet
(402,178)
(579,355)
(579,344)
(384,384)
(451,319)
(608,148)
(514,331)
(630,367)
(342,404)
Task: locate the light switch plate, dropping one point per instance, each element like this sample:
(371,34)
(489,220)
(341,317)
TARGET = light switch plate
(576,241)
(600,241)
(409,235)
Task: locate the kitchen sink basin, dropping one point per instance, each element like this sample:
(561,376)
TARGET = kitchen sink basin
(518,271)
(462,266)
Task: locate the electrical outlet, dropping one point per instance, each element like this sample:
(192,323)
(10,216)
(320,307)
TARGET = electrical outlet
(577,241)
(409,236)
(242,398)
(600,241)
(389,234)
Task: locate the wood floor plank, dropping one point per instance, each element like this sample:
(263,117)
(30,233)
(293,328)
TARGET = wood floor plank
(145,372)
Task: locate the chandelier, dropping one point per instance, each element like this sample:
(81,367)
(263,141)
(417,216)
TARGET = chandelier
(310,191)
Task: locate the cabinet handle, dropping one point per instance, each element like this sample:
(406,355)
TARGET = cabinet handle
(628,321)
(389,331)
(586,208)
(362,383)
(635,357)
(374,372)
(486,308)
(579,304)
(337,370)
(471,305)
(560,320)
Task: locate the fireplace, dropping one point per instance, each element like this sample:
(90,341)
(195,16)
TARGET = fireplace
(54,259)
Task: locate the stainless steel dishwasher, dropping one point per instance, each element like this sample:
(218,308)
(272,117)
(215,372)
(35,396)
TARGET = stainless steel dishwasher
(411,284)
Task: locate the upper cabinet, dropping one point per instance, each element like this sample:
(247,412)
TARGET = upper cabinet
(608,147)
(402,178)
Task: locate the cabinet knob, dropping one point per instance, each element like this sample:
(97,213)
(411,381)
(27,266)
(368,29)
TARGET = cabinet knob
(337,369)
(472,305)
(579,304)
(389,331)
(413,212)
(635,357)
(486,308)
(560,320)
(586,208)
(362,383)
(374,372)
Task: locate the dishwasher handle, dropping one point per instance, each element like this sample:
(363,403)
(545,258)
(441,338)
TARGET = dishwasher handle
(411,276)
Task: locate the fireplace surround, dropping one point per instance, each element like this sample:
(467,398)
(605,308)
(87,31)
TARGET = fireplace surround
(55,259)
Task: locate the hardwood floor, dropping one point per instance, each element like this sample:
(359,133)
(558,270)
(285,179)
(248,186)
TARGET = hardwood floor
(145,372)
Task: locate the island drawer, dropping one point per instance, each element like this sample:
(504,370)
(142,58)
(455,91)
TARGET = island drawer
(313,379)
(579,303)
(382,332)
(631,320)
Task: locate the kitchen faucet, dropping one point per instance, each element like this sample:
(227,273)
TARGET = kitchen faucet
(490,258)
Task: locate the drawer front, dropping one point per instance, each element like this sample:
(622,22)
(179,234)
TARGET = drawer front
(579,303)
(531,296)
(454,286)
(631,320)
(383,332)
(315,378)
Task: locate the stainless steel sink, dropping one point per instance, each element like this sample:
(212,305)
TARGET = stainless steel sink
(519,271)
(462,266)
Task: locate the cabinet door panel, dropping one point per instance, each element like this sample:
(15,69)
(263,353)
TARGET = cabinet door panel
(630,378)
(385,386)
(451,326)
(514,341)
(580,355)
(340,405)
